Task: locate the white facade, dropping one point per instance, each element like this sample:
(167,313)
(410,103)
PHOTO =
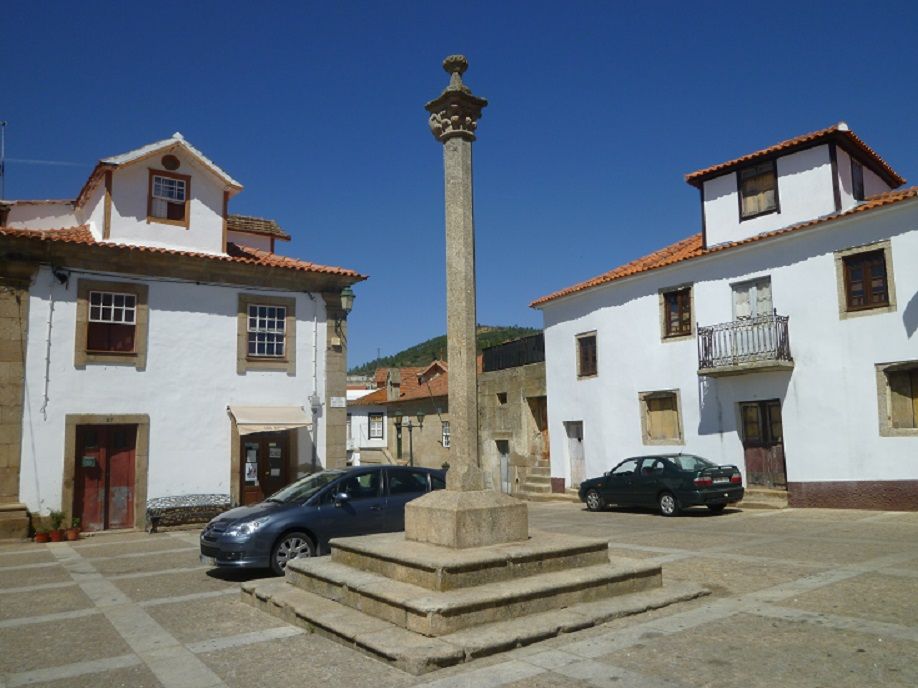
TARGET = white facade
(359,430)
(830,401)
(189,381)
(194,348)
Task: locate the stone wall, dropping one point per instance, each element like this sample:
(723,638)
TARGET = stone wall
(505,403)
(14,310)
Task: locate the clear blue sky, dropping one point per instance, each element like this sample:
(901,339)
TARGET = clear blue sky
(596,111)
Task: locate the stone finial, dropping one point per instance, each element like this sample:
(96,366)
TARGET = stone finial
(456,111)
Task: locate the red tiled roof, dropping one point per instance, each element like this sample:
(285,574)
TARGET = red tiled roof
(255,225)
(691,247)
(234,252)
(839,132)
(410,389)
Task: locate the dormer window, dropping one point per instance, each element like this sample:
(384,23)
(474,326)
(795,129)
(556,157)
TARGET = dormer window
(168,198)
(758,190)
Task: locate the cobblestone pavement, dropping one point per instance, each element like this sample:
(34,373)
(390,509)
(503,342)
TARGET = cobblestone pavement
(800,598)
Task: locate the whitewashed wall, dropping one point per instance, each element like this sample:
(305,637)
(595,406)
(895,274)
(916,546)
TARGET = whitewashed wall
(804,192)
(829,400)
(130,189)
(872,183)
(189,381)
(360,427)
(253,240)
(42,215)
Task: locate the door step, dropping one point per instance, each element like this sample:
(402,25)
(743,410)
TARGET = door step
(763,498)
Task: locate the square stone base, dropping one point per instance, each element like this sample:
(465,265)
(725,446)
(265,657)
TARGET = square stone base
(462,519)
(14,521)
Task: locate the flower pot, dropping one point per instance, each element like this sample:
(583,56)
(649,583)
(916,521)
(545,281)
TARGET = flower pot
(41,537)
(73,533)
(56,535)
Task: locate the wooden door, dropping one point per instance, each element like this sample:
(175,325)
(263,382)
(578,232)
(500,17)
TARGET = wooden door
(763,443)
(575,452)
(104,476)
(264,464)
(539,408)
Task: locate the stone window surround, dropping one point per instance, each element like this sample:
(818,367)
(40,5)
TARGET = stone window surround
(662,308)
(577,339)
(141,457)
(137,358)
(645,420)
(843,312)
(884,399)
(245,362)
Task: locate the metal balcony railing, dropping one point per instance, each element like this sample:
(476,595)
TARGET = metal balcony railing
(750,342)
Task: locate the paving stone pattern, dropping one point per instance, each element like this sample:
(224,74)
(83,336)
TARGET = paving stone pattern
(800,598)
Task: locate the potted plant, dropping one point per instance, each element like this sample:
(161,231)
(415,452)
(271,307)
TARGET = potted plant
(41,535)
(57,520)
(73,532)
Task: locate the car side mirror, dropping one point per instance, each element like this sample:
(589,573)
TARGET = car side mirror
(341,498)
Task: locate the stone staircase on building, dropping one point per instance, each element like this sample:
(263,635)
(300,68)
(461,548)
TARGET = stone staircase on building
(537,485)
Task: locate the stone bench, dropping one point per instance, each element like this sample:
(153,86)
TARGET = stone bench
(184,509)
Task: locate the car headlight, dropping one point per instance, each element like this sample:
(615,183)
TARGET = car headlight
(247,528)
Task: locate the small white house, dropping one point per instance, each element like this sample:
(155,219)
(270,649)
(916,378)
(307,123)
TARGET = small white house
(155,345)
(781,338)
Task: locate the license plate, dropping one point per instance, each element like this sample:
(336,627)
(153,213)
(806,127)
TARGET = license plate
(721,481)
(208,561)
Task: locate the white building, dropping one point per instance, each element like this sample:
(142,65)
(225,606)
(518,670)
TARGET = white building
(155,345)
(781,338)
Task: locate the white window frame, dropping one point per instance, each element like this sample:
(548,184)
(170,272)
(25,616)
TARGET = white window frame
(382,426)
(273,329)
(444,434)
(127,309)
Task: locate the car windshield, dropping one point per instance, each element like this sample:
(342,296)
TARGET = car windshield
(304,488)
(687,462)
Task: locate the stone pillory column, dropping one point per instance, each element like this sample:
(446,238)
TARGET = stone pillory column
(465,514)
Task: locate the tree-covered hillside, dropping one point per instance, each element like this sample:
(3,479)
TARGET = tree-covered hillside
(433,349)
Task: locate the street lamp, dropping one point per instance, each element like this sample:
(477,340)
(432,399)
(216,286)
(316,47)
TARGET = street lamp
(399,424)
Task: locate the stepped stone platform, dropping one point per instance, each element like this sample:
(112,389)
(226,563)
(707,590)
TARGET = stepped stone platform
(423,606)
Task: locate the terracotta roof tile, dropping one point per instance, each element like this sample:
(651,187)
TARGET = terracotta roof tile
(839,132)
(255,225)
(234,254)
(691,247)
(410,389)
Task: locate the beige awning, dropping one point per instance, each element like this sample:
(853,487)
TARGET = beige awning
(251,419)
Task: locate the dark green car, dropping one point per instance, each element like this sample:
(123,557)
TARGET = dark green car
(668,482)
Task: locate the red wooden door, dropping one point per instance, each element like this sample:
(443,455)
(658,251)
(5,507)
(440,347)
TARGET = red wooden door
(763,443)
(104,479)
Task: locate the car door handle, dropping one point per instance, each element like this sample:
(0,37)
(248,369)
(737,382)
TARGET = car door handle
(376,507)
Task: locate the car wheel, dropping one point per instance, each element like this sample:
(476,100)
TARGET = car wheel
(594,501)
(668,504)
(716,508)
(290,546)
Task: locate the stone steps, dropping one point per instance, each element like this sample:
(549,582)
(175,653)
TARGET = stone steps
(435,568)
(433,613)
(548,496)
(418,654)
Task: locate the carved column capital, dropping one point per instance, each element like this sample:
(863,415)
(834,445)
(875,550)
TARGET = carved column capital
(456,111)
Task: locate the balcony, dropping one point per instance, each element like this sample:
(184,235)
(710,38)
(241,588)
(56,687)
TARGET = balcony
(751,345)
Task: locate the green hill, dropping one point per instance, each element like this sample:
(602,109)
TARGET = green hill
(433,349)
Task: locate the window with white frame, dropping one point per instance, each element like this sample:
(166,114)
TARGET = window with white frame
(267,330)
(376,426)
(169,197)
(112,320)
(444,434)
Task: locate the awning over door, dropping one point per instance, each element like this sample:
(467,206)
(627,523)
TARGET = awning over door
(251,419)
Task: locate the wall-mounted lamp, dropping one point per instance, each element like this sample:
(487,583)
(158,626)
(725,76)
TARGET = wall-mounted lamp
(347,303)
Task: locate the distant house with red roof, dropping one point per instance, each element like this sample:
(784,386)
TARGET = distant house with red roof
(781,337)
(163,347)
(419,394)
